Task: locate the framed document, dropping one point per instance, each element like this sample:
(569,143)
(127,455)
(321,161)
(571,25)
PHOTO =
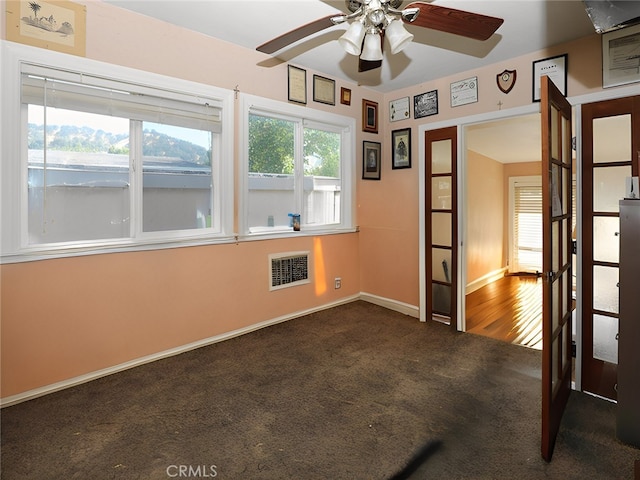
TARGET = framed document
(324,90)
(297,85)
(621,56)
(425,104)
(399,109)
(464,92)
(55,25)
(553,67)
(369,116)
(345,96)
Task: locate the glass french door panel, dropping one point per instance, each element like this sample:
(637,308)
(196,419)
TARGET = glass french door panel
(606,245)
(556,300)
(441,193)
(605,288)
(609,187)
(555,355)
(555,140)
(612,139)
(441,298)
(441,264)
(441,228)
(605,341)
(555,246)
(441,157)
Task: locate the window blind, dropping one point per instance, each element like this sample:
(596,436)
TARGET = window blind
(74,91)
(528,227)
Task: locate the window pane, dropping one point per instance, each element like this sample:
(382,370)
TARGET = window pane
(78,186)
(271,166)
(177,179)
(322,184)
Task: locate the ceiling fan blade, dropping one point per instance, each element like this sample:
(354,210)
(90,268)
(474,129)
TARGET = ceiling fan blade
(294,35)
(451,20)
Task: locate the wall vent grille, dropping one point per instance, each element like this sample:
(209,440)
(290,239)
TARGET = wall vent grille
(289,269)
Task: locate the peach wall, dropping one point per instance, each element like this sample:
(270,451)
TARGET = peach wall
(67,317)
(486,204)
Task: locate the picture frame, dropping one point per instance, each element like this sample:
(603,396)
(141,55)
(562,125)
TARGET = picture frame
(369,116)
(324,90)
(345,96)
(620,61)
(425,104)
(553,67)
(401,148)
(297,84)
(464,91)
(59,25)
(371,160)
(399,109)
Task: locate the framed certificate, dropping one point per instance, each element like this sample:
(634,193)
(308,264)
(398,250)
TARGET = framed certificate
(399,109)
(297,85)
(464,92)
(621,57)
(324,90)
(553,67)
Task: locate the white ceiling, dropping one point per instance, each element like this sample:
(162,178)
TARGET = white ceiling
(529,25)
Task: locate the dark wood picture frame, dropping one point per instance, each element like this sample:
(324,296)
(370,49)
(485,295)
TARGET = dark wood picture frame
(371,160)
(369,116)
(401,148)
(345,96)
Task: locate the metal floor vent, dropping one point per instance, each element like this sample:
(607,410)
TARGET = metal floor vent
(289,269)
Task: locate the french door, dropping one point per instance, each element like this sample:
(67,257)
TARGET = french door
(610,143)
(441,231)
(557,163)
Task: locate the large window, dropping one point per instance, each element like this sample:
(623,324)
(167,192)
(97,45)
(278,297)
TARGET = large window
(297,162)
(111,161)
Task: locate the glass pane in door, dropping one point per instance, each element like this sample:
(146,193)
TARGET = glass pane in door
(608,187)
(605,289)
(612,139)
(605,338)
(606,247)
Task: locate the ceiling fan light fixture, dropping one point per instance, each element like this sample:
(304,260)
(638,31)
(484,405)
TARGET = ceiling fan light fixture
(372,49)
(351,40)
(398,36)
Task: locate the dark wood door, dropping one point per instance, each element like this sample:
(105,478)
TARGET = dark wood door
(610,147)
(441,231)
(557,165)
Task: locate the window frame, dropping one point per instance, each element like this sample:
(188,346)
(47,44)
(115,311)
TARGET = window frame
(14,174)
(303,117)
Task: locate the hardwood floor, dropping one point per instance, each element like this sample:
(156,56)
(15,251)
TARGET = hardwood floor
(509,309)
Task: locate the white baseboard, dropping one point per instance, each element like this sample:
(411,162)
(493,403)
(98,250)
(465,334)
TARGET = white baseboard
(485,280)
(391,304)
(71,382)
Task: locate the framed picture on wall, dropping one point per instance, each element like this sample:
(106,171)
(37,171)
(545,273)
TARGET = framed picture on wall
(401,148)
(324,90)
(621,56)
(56,25)
(369,116)
(425,104)
(553,67)
(371,159)
(297,84)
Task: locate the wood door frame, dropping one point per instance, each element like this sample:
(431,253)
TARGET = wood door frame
(597,376)
(432,136)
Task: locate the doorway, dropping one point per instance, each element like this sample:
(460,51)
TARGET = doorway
(503,234)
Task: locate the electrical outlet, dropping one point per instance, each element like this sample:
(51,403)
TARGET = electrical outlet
(338,282)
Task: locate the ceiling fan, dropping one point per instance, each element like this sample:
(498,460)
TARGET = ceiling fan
(373,20)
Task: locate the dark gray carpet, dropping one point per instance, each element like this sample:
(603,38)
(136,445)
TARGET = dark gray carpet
(353,392)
